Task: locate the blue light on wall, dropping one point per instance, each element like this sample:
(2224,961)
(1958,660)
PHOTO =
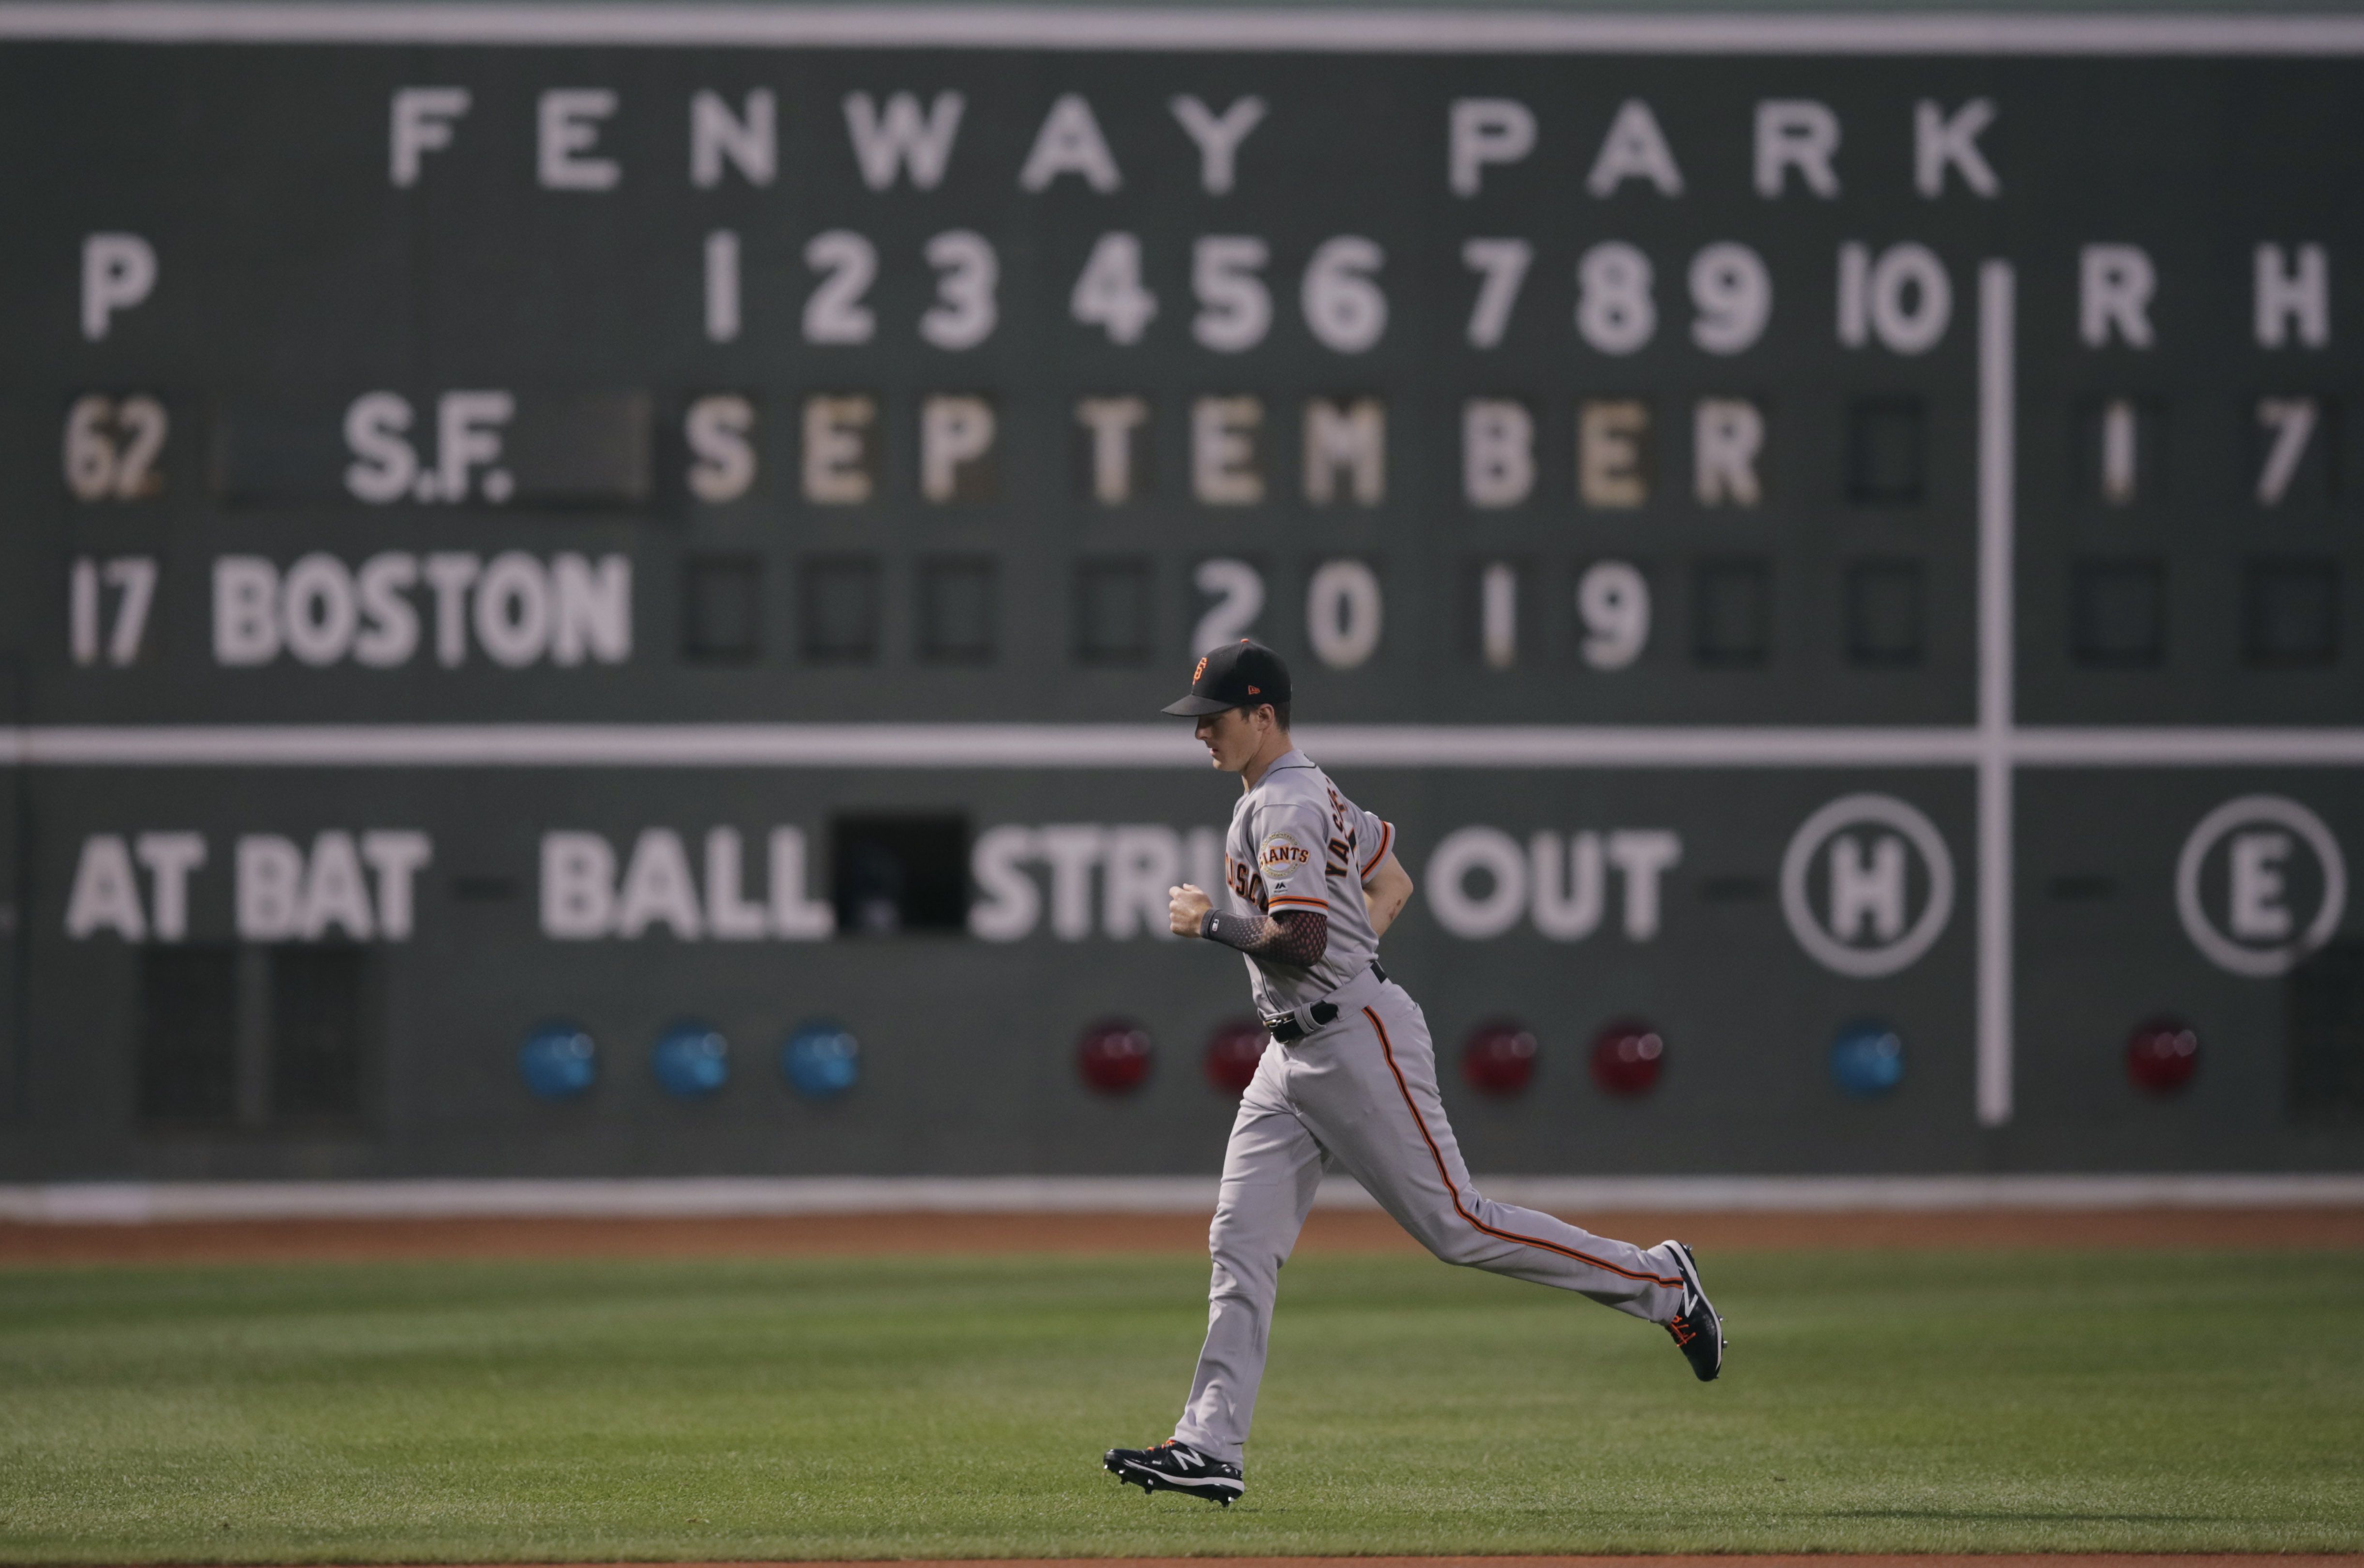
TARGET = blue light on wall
(559,1061)
(822,1060)
(1867,1058)
(692,1061)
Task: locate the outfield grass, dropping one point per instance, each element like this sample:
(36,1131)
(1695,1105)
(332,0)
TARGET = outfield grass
(925,1408)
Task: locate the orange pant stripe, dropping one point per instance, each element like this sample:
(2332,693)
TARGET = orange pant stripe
(1475,1223)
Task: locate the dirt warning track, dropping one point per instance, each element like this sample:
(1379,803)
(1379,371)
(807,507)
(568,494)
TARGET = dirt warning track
(1764,1560)
(1335,1230)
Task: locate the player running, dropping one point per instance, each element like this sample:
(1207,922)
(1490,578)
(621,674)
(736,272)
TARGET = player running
(1311,882)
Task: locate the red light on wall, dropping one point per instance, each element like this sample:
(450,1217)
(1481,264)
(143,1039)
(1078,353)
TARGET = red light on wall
(1627,1056)
(1232,1053)
(1499,1058)
(1114,1056)
(2161,1056)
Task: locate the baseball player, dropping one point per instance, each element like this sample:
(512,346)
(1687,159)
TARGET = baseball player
(1349,1079)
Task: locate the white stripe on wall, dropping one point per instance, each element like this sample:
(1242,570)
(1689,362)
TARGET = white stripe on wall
(1997,648)
(1149,28)
(1067,746)
(133,1203)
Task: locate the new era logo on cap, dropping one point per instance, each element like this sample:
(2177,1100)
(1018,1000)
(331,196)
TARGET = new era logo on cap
(1233,676)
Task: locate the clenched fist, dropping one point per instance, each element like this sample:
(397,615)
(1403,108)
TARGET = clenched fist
(1189,905)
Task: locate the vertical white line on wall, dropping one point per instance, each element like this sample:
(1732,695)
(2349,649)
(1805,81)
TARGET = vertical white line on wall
(1998,465)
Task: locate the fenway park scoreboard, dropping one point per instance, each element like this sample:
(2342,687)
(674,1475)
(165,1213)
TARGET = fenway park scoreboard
(586,588)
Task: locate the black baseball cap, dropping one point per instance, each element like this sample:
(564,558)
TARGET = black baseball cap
(1238,674)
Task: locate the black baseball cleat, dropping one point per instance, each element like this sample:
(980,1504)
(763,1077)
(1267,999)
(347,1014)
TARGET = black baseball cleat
(1175,1467)
(1697,1328)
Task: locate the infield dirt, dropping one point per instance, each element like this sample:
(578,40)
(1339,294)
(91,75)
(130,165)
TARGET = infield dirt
(1755,1559)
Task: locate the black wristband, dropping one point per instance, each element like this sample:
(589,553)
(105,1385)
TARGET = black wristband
(1211,926)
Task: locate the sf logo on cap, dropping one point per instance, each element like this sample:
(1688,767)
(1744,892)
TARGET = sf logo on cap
(1199,671)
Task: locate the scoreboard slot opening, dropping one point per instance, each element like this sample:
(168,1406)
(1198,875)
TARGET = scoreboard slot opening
(906,872)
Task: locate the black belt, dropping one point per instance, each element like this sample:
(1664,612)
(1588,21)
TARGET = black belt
(1285,1028)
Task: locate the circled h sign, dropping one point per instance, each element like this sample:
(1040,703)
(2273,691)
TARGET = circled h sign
(2269,810)
(1866,811)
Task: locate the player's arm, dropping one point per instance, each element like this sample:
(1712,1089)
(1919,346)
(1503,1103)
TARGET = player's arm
(1385,892)
(1293,936)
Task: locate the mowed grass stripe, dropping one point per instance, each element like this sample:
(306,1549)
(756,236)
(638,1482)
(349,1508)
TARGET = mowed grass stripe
(957,1406)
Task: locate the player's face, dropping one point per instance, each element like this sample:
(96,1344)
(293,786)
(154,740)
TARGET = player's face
(1231,739)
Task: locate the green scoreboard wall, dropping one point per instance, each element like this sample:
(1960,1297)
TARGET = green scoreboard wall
(1836,542)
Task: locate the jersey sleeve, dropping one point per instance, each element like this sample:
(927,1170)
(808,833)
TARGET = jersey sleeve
(1374,840)
(1289,841)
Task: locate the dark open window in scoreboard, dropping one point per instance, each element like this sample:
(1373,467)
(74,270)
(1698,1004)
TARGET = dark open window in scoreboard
(958,610)
(2290,611)
(279,1038)
(899,872)
(1115,610)
(1887,451)
(1731,612)
(188,1055)
(2326,1064)
(2118,612)
(320,1049)
(1886,617)
(722,609)
(841,608)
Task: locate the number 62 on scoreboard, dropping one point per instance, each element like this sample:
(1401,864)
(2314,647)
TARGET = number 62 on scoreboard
(111,448)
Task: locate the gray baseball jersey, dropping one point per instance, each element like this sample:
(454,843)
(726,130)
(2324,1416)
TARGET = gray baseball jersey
(1296,843)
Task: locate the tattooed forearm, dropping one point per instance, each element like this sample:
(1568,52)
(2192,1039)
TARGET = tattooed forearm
(1293,936)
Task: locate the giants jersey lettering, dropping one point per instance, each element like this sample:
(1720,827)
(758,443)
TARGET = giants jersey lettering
(1296,843)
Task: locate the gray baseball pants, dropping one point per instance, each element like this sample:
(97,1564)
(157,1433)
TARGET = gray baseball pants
(1361,1095)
